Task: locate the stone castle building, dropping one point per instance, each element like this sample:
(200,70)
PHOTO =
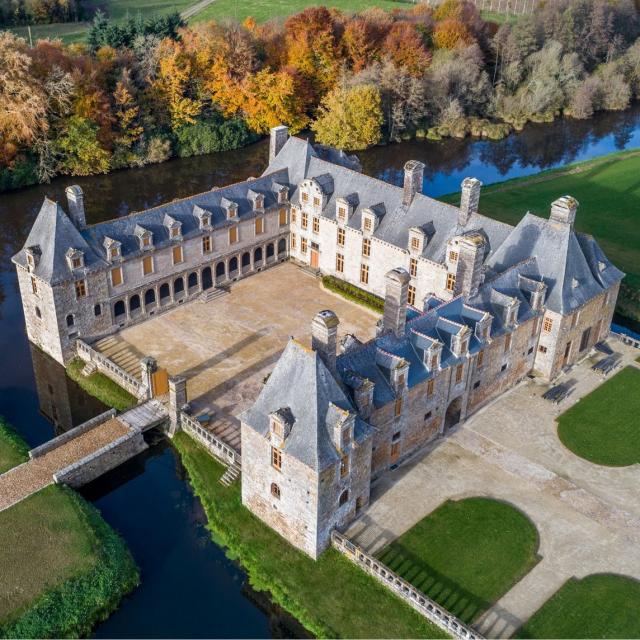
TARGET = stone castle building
(472,306)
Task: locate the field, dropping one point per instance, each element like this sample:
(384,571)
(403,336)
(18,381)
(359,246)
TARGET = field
(603,426)
(13,450)
(598,606)
(330,596)
(465,555)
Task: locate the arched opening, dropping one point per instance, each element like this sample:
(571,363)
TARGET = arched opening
(282,246)
(275,490)
(118,309)
(270,251)
(246,259)
(454,410)
(70,320)
(149,297)
(165,293)
(220,270)
(207,280)
(233,265)
(97,310)
(344,498)
(257,255)
(192,280)
(178,286)
(134,303)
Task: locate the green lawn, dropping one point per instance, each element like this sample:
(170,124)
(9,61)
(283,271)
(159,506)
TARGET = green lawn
(331,596)
(13,449)
(603,426)
(466,554)
(598,606)
(101,387)
(68,32)
(500,18)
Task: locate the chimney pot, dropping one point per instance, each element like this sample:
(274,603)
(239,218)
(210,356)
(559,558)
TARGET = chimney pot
(75,200)
(324,337)
(395,301)
(279,136)
(413,178)
(469,200)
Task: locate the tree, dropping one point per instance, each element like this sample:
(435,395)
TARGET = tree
(127,130)
(350,118)
(362,40)
(450,34)
(404,45)
(78,149)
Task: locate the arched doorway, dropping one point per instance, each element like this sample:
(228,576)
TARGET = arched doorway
(207,280)
(220,271)
(282,246)
(454,410)
(192,281)
(134,304)
(233,265)
(118,309)
(270,251)
(165,293)
(257,256)
(149,297)
(178,286)
(246,261)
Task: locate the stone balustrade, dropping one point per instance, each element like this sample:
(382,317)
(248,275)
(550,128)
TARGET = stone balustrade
(214,445)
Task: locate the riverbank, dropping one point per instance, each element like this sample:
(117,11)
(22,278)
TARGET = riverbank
(609,193)
(330,596)
(68,569)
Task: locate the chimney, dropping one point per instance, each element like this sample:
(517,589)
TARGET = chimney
(279,135)
(563,210)
(75,199)
(471,248)
(413,176)
(395,301)
(469,200)
(324,337)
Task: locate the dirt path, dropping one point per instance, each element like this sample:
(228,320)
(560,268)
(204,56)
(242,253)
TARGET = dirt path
(195,8)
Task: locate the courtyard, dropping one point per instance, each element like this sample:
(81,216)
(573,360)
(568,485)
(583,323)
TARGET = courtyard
(225,348)
(587,516)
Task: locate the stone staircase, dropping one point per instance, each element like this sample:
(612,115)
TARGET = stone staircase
(230,475)
(121,353)
(213,294)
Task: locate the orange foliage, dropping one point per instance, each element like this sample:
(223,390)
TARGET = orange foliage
(450,34)
(405,47)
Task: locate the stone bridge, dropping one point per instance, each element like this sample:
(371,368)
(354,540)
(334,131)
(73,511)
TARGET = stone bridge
(83,453)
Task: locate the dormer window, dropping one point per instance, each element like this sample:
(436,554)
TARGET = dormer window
(257,200)
(33,256)
(602,265)
(75,258)
(174,227)
(369,221)
(304,196)
(113,249)
(230,207)
(416,240)
(282,192)
(280,423)
(145,238)
(343,210)
(203,216)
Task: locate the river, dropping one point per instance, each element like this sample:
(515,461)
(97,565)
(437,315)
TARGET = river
(189,588)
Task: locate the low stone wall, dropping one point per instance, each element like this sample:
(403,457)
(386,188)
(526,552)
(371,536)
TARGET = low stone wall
(214,445)
(626,339)
(403,589)
(101,461)
(72,433)
(112,370)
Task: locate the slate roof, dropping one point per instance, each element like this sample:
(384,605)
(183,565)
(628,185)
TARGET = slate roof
(302,384)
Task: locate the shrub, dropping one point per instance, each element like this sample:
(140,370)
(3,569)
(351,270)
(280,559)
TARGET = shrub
(212,135)
(353,293)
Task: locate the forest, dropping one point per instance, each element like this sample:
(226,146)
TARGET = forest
(146,90)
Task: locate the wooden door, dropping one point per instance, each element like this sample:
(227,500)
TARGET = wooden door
(314,259)
(395,452)
(160,382)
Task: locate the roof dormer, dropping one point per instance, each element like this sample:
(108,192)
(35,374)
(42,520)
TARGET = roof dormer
(75,259)
(174,227)
(230,207)
(417,240)
(280,424)
(432,356)
(460,342)
(344,209)
(281,191)
(113,249)
(369,221)
(33,254)
(256,199)
(145,238)
(343,429)
(203,217)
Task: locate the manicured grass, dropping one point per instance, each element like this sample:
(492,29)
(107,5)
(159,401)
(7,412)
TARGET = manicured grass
(353,293)
(263,10)
(13,449)
(603,426)
(331,596)
(465,555)
(101,387)
(598,606)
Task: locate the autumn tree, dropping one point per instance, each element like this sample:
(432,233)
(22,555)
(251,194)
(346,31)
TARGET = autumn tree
(405,46)
(127,128)
(451,33)
(350,118)
(79,150)
(362,41)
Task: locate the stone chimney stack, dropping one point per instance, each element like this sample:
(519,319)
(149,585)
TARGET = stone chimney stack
(563,210)
(324,337)
(75,199)
(395,301)
(469,200)
(413,177)
(471,249)
(279,135)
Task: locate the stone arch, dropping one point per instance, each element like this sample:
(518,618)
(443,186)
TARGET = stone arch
(454,411)
(207,280)
(192,280)
(282,246)
(246,259)
(220,270)
(257,254)
(270,250)
(344,497)
(70,320)
(165,292)
(233,264)
(149,296)
(178,285)
(119,309)
(134,302)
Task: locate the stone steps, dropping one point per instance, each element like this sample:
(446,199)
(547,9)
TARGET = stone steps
(213,294)
(121,353)
(230,475)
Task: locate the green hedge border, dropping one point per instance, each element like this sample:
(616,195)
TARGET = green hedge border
(353,293)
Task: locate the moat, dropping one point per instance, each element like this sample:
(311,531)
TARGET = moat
(189,588)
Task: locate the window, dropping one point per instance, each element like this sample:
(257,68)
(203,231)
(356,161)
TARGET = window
(344,498)
(113,252)
(453,256)
(344,466)
(206,244)
(81,289)
(542,349)
(341,237)
(367,224)
(259,226)
(316,201)
(398,407)
(303,245)
(116,276)
(427,416)
(476,384)
(305,220)
(175,232)
(293,240)
(459,372)
(415,243)
(294,216)
(430,387)
(70,320)
(38,313)
(413,267)
(434,362)
(277,428)
(366,247)
(147,265)
(76,262)
(411,295)
(97,310)
(584,340)
(275,490)
(282,217)
(451,281)
(276,458)
(342,213)
(146,241)
(233,235)
(503,367)
(34,285)
(305,196)
(547,325)
(316,224)
(507,342)
(339,263)
(177,255)
(364,273)
(480,359)
(401,380)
